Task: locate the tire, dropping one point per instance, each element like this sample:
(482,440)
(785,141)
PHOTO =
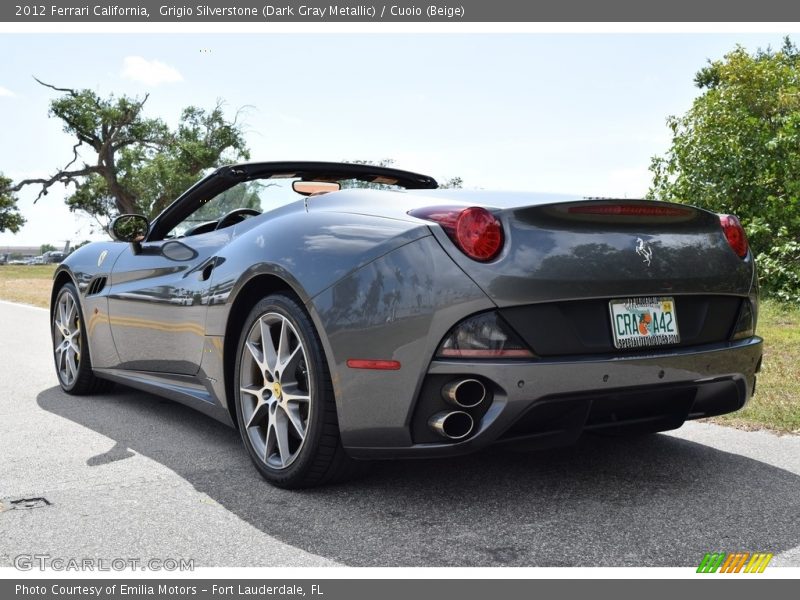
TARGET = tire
(70,348)
(284,399)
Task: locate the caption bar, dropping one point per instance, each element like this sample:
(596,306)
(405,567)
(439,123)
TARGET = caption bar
(475,11)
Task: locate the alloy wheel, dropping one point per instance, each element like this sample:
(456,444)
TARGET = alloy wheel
(67,338)
(275,391)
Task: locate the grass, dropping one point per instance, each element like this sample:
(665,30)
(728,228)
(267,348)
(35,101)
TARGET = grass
(29,284)
(775,406)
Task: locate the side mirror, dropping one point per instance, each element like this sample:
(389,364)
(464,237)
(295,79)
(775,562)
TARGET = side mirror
(130,228)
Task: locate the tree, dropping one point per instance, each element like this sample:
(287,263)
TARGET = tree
(10,219)
(452,183)
(138,164)
(737,150)
(46,248)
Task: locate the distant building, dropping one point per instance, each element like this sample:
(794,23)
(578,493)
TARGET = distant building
(24,251)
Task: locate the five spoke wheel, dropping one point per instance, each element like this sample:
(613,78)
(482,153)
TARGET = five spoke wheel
(275,392)
(67,338)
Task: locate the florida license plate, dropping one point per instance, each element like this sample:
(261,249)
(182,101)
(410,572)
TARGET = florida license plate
(640,322)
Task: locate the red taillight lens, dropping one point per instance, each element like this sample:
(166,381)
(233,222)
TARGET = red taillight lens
(479,233)
(475,230)
(734,233)
(629,210)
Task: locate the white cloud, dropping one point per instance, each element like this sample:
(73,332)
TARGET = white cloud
(5,92)
(149,72)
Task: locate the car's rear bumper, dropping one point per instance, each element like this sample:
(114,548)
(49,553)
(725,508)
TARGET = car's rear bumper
(552,402)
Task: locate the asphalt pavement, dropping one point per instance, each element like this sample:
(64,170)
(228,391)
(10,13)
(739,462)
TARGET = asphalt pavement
(127,474)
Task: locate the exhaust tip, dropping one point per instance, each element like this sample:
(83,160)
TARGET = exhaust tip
(464,393)
(453,425)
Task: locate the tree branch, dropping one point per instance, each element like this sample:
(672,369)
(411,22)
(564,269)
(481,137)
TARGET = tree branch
(69,91)
(64,177)
(74,156)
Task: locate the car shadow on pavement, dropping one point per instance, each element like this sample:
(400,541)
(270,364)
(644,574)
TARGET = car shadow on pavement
(650,501)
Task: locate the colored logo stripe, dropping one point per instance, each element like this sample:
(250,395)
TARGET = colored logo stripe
(758,562)
(735,562)
(711,562)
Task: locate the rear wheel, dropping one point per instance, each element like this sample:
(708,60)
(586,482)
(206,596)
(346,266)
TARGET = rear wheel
(284,398)
(70,348)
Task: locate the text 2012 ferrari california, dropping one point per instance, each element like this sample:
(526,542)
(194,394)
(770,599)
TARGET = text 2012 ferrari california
(335,312)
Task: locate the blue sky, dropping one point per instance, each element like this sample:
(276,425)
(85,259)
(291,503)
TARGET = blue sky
(577,113)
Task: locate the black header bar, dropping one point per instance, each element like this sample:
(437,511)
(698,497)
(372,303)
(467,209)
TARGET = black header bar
(465,11)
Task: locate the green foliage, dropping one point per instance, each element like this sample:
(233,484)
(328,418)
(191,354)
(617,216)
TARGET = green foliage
(125,162)
(130,228)
(779,264)
(10,219)
(202,141)
(737,150)
(46,248)
(454,183)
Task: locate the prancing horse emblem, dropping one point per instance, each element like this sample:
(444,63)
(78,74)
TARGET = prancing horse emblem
(102,257)
(643,249)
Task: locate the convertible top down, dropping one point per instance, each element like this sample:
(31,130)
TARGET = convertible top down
(335,312)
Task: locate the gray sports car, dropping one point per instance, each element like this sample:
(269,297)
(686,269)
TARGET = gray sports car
(334,312)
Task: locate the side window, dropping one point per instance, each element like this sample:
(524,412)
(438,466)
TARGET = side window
(248,194)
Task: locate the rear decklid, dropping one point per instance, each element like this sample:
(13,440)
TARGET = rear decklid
(605,276)
(606,249)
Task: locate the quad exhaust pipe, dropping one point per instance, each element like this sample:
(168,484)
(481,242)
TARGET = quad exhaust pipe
(461,394)
(464,393)
(453,425)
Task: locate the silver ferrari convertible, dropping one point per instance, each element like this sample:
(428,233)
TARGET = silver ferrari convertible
(334,313)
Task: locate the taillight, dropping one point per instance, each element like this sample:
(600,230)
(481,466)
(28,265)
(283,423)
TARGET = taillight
(734,233)
(629,210)
(475,230)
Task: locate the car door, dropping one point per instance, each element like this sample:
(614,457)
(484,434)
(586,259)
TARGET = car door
(158,300)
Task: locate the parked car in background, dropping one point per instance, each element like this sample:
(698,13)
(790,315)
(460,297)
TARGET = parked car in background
(54,257)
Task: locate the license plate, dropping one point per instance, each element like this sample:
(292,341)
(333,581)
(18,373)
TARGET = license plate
(640,322)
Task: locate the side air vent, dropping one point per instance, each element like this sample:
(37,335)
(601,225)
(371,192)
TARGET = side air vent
(96,286)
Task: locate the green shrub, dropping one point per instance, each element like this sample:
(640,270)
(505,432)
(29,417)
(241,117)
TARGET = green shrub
(779,268)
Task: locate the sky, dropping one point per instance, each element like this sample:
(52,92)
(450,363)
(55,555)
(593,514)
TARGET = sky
(572,113)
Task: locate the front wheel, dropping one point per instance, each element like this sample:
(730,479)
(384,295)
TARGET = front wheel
(70,347)
(284,398)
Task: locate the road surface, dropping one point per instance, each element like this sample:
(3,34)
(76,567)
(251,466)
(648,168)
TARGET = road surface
(129,475)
